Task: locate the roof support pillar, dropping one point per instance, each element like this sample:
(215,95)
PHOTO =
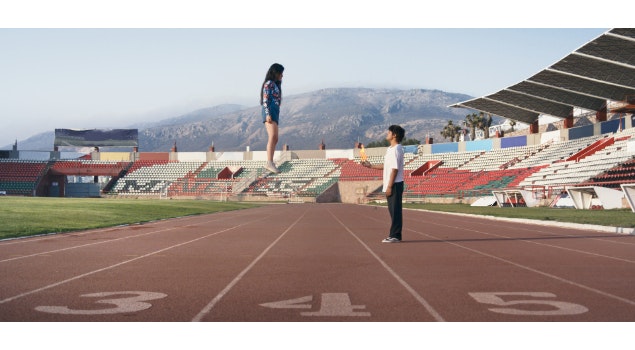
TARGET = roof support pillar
(600,115)
(568,121)
(533,127)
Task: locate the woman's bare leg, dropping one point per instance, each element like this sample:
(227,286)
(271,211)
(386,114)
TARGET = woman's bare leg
(272,131)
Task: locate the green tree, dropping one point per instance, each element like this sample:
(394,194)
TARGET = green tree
(385,143)
(381,143)
(451,131)
(471,122)
(408,142)
(485,123)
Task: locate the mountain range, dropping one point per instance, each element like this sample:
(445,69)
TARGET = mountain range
(337,116)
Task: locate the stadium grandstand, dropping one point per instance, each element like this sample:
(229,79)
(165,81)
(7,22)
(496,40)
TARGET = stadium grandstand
(595,82)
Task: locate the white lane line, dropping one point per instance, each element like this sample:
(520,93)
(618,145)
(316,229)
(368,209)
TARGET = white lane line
(622,231)
(81,246)
(405,284)
(121,263)
(208,308)
(528,241)
(102,242)
(563,280)
(53,235)
(522,228)
(66,234)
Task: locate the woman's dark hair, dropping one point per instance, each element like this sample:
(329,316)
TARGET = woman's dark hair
(272,74)
(398,131)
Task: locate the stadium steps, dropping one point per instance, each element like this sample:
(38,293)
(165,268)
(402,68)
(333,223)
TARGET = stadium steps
(113,181)
(558,175)
(555,152)
(303,177)
(496,159)
(592,149)
(152,177)
(198,171)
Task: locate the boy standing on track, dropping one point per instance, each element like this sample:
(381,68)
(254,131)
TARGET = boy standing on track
(393,180)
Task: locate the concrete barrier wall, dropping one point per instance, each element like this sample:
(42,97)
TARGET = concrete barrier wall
(112,156)
(480,145)
(356,191)
(191,156)
(339,153)
(154,156)
(308,154)
(220,156)
(445,147)
(610,126)
(580,132)
(262,155)
(331,195)
(516,141)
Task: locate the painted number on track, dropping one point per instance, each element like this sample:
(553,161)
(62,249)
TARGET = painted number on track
(124,304)
(515,307)
(332,304)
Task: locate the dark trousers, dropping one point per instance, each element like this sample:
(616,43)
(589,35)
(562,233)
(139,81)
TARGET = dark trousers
(394,208)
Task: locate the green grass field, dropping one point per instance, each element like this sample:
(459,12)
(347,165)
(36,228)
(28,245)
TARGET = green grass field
(615,217)
(25,216)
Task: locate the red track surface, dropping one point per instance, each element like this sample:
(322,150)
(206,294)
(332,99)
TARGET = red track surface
(319,262)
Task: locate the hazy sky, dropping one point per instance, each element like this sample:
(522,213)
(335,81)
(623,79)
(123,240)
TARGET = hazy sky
(112,78)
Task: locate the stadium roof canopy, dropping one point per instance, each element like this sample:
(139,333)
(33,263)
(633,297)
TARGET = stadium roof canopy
(601,70)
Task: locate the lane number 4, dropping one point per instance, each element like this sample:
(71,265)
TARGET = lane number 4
(515,307)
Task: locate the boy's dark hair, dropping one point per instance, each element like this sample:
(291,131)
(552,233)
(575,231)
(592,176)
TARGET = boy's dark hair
(398,131)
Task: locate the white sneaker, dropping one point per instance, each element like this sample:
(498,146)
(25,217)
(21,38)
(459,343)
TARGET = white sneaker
(272,167)
(391,240)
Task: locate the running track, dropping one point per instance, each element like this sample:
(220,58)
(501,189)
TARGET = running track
(319,262)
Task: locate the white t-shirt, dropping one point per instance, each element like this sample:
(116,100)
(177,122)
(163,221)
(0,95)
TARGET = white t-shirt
(393,160)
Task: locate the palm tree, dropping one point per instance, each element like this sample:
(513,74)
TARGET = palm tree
(485,123)
(447,131)
(471,122)
(451,131)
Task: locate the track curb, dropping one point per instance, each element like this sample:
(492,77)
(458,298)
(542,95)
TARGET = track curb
(617,230)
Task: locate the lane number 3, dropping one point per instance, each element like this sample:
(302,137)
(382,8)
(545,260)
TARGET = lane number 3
(514,307)
(124,304)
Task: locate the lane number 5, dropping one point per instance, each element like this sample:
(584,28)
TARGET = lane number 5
(125,304)
(547,307)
